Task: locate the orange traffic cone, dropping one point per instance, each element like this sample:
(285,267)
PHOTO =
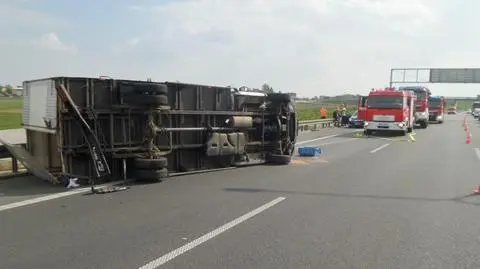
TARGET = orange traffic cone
(469,138)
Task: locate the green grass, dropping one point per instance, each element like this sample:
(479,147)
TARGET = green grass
(10,113)
(464,104)
(312,111)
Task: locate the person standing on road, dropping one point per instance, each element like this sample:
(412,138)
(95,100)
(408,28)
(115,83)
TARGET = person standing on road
(336,115)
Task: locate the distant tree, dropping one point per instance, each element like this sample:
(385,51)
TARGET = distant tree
(267,89)
(9,88)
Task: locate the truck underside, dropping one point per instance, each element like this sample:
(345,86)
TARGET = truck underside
(149,130)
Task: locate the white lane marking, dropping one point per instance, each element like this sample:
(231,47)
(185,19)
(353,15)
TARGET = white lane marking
(477,152)
(320,138)
(43,198)
(379,148)
(204,238)
(77,191)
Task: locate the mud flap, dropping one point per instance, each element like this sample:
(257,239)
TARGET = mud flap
(29,162)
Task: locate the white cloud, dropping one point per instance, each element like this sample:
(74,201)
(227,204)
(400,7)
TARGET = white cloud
(51,41)
(313,47)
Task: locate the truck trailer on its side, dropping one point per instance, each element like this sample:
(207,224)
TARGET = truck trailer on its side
(106,128)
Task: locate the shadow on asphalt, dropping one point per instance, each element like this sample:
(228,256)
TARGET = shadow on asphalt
(27,186)
(466,199)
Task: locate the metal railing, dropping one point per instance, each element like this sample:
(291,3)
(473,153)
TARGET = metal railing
(314,125)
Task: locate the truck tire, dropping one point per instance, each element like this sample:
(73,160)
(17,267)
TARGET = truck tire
(279,97)
(151,89)
(409,129)
(147,100)
(278,159)
(151,175)
(159,163)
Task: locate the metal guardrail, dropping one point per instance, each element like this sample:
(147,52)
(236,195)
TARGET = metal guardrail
(313,125)
(307,125)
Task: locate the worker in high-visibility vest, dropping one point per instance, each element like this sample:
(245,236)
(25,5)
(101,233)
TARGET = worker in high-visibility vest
(323,113)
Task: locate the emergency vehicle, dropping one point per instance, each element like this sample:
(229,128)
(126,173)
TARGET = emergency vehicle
(390,110)
(436,108)
(421,104)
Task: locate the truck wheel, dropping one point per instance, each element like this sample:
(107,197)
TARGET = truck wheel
(148,100)
(409,129)
(151,175)
(151,163)
(278,159)
(279,97)
(151,89)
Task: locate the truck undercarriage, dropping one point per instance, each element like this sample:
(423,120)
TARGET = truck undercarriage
(107,129)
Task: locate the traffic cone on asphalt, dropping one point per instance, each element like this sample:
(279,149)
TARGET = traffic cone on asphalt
(469,138)
(465,128)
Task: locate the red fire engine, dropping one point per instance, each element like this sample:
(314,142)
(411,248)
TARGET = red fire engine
(390,110)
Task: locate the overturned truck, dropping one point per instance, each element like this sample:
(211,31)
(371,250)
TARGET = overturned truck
(103,129)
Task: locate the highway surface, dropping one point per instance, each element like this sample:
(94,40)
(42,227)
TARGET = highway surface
(366,203)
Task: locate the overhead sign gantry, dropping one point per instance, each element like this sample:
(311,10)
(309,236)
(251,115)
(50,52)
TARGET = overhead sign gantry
(434,75)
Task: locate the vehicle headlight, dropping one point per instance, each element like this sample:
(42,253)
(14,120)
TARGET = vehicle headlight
(365,123)
(400,125)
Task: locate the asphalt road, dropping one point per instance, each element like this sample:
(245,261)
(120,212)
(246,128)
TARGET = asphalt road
(366,203)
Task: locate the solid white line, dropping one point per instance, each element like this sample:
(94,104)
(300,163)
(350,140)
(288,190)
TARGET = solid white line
(77,191)
(43,199)
(379,148)
(477,152)
(321,138)
(204,238)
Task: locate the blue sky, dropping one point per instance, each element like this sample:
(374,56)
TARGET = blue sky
(313,47)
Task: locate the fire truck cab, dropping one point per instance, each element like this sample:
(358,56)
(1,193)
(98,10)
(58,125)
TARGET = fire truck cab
(436,108)
(390,110)
(421,113)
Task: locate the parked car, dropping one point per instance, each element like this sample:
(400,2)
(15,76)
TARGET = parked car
(354,122)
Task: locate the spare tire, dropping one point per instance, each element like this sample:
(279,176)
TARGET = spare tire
(147,100)
(154,164)
(279,159)
(151,89)
(279,97)
(151,175)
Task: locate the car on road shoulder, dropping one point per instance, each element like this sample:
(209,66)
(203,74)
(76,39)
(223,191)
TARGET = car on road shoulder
(354,122)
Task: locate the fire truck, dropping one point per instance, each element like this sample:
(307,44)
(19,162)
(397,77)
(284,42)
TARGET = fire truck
(436,109)
(390,110)
(362,107)
(421,104)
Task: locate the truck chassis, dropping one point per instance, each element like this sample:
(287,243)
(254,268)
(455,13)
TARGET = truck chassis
(150,130)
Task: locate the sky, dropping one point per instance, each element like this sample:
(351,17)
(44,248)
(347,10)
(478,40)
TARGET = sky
(311,47)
